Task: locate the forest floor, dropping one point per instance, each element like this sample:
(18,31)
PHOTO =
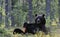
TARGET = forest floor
(9,33)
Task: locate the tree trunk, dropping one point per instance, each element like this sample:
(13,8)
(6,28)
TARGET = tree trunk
(1,12)
(47,8)
(12,16)
(52,10)
(59,10)
(30,16)
(7,11)
(48,12)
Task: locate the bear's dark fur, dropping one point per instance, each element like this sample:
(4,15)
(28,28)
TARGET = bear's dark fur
(33,27)
(40,23)
(17,30)
(30,27)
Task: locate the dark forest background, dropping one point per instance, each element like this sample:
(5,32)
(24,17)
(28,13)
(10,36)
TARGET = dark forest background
(13,14)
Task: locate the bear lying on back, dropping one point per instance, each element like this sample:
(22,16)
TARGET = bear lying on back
(33,27)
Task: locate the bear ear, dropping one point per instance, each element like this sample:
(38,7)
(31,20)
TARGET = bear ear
(43,15)
(35,15)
